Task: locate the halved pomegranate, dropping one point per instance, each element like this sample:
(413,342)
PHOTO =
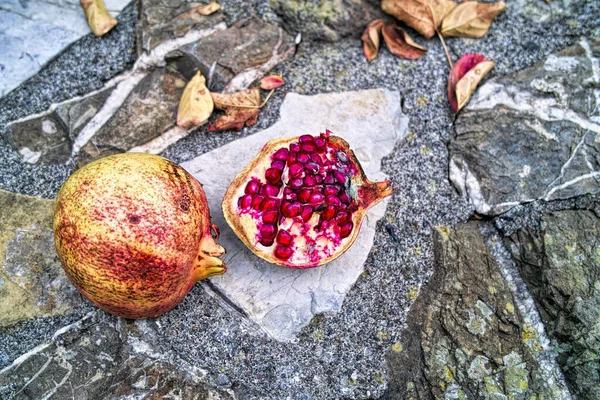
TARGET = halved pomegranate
(301,201)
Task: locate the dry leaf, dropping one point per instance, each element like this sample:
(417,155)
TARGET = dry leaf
(424,16)
(97,16)
(471,19)
(400,44)
(271,82)
(370,38)
(241,108)
(196,103)
(209,8)
(464,77)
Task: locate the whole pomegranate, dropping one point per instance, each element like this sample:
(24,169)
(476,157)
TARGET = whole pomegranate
(133,234)
(301,201)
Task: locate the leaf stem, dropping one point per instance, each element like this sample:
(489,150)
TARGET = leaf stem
(445,48)
(267,98)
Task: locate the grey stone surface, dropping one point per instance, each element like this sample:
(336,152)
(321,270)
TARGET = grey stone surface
(283,301)
(248,45)
(326,20)
(466,337)
(534,134)
(32,281)
(559,259)
(161,21)
(33,32)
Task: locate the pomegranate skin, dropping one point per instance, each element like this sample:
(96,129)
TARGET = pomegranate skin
(133,234)
(316,229)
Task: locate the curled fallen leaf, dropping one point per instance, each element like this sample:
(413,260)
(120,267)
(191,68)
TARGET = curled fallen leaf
(471,19)
(271,82)
(370,38)
(241,108)
(400,44)
(464,77)
(97,16)
(209,8)
(196,103)
(424,16)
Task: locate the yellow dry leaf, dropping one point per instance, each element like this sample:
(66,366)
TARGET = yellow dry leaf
(209,8)
(468,83)
(471,19)
(241,108)
(196,103)
(424,16)
(97,16)
(370,38)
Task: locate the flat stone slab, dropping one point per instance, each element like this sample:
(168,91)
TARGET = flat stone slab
(32,32)
(534,134)
(282,301)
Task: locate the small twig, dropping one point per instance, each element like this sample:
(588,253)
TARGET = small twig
(445,48)
(267,98)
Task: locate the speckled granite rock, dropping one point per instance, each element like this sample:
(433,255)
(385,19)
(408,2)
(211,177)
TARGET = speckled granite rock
(166,20)
(559,259)
(281,300)
(466,336)
(32,281)
(326,20)
(33,32)
(533,134)
(102,357)
(250,47)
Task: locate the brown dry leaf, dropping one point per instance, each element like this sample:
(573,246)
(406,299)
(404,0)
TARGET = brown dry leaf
(400,44)
(209,8)
(241,108)
(424,16)
(471,19)
(196,103)
(464,77)
(271,82)
(97,16)
(370,38)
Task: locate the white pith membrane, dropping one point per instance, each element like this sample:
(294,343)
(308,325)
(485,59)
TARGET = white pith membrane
(325,232)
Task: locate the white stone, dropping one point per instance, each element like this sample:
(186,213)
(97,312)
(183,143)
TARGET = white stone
(32,32)
(282,301)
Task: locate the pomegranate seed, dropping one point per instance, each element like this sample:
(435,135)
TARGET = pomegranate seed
(291,196)
(284,238)
(306,139)
(267,241)
(309,181)
(332,200)
(256,201)
(303,158)
(291,158)
(268,231)
(287,191)
(329,179)
(283,252)
(295,170)
(339,177)
(316,158)
(331,190)
(270,217)
(281,154)
(270,190)
(307,212)
(342,217)
(269,204)
(352,208)
(245,201)
(273,175)
(252,187)
(329,212)
(320,143)
(323,224)
(278,164)
(308,147)
(304,195)
(343,157)
(344,198)
(312,167)
(295,183)
(316,198)
(290,210)
(319,179)
(295,147)
(346,229)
